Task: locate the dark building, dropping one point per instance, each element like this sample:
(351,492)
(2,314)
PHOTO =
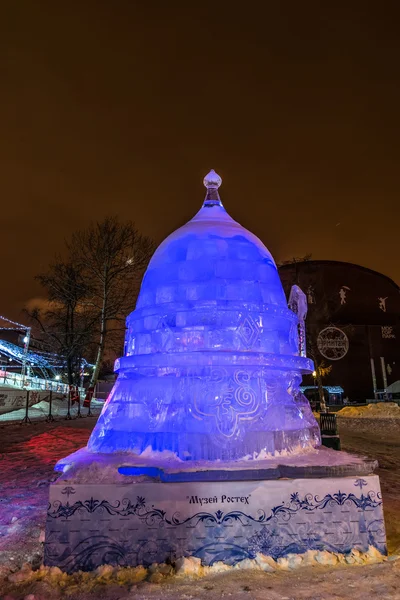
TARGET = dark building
(353,322)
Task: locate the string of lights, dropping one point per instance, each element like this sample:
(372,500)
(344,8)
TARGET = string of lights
(48,363)
(18,325)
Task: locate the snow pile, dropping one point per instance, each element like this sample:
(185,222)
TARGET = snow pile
(83,466)
(159,456)
(264,455)
(99,471)
(189,567)
(372,411)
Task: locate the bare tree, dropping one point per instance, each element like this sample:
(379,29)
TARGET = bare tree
(112,257)
(295,261)
(65,327)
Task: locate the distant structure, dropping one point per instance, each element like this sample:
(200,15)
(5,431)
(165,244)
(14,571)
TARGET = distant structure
(354,322)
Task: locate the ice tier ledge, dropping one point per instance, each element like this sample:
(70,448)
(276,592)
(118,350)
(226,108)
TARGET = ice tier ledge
(125,468)
(216,359)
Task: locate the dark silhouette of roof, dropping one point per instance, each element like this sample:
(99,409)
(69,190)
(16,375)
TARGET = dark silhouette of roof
(317,263)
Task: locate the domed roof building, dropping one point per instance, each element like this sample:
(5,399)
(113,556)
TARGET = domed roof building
(212,365)
(353,324)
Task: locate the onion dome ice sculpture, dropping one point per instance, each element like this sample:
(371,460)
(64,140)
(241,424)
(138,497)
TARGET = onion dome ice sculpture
(212,364)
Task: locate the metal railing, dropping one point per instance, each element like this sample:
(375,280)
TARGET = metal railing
(34,383)
(49,408)
(42,399)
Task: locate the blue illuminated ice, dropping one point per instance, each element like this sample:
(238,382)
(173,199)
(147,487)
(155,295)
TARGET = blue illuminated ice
(212,366)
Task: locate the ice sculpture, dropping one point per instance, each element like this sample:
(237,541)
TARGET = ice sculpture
(212,366)
(298,304)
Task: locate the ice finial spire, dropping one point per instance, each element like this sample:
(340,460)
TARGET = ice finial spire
(212,181)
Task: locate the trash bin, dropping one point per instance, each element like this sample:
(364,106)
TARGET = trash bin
(329,433)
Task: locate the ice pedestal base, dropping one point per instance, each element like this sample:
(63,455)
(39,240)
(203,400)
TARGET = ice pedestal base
(148,522)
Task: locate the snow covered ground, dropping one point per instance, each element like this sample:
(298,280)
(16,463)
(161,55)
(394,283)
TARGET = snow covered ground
(59,408)
(27,456)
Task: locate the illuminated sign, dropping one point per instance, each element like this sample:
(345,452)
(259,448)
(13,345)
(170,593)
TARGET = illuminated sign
(333,343)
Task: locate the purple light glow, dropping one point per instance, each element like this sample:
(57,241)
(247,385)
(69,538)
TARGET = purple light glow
(212,366)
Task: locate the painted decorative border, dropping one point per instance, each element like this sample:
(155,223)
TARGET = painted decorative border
(81,534)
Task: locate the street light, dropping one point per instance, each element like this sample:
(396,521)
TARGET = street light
(26,347)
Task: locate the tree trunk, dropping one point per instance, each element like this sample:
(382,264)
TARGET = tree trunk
(102,340)
(99,357)
(70,371)
(321,393)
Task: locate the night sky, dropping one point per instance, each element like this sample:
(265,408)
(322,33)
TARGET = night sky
(121,107)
